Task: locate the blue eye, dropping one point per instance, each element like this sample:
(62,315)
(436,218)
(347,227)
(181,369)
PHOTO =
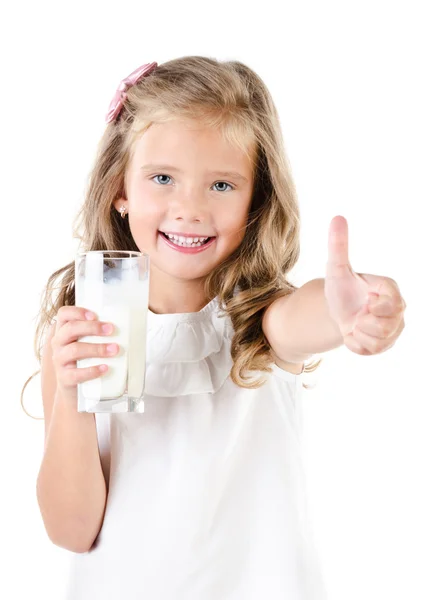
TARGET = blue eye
(161,175)
(225,184)
(167,176)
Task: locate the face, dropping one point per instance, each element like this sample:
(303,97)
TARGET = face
(188,196)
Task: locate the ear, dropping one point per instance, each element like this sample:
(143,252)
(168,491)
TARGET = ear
(119,203)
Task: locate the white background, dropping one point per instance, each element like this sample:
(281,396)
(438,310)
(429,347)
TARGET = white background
(356,88)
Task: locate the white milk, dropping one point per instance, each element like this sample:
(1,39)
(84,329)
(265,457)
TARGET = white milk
(126,370)
(125,305)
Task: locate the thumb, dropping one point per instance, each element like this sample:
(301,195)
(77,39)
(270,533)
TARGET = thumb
(338,258)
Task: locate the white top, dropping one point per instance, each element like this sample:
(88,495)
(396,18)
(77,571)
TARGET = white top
(207,494)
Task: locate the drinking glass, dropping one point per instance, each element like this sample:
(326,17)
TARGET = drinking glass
(114,284)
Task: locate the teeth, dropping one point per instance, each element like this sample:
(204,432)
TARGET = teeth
(186,241)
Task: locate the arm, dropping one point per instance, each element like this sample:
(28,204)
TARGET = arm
(361,311)
(298,325)
(71,489)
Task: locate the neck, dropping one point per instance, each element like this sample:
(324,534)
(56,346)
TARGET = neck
(170,296)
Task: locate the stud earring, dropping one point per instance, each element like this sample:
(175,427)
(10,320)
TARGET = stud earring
(122,212)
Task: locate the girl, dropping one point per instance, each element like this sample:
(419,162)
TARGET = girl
(202,496)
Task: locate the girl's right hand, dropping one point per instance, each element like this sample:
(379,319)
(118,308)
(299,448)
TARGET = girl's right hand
(74,322)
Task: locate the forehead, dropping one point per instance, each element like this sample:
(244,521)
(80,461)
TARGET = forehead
(187,140)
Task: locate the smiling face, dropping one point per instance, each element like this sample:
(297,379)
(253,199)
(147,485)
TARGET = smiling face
(184,182)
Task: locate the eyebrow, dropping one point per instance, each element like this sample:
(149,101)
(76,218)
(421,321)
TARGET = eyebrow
(231,174)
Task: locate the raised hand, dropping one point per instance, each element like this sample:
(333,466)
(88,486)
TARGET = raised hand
(368,309)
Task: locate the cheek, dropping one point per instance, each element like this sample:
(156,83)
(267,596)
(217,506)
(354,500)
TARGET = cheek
(144,219)
(146,213)
(231,236)
(233,223)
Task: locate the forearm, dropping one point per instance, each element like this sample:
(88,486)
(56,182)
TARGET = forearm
(71,488)
(298,326)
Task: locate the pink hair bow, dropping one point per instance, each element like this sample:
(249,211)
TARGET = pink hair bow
(120,95)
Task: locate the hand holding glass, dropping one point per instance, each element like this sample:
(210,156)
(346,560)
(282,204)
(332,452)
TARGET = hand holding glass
(115,286)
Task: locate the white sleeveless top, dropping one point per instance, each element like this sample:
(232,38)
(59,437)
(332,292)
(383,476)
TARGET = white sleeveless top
(207,494)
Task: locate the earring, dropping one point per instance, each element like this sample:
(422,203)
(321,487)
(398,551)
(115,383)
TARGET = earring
(122,212)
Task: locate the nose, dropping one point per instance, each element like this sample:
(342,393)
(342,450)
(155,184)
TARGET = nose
(189,207)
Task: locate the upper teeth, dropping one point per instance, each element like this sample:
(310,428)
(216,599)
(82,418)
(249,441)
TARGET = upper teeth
(187,240)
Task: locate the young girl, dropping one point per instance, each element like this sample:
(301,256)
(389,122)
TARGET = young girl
(202,496)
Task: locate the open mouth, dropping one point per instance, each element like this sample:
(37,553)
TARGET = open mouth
(195,242)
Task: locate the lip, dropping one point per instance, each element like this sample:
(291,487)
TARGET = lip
(191,235)
(188,250)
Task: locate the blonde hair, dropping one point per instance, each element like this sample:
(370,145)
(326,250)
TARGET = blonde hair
(231,97)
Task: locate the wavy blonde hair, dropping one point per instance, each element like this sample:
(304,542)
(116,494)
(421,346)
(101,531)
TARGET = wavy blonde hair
(231,97)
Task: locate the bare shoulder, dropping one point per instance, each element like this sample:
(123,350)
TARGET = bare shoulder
(48,378)
(283,328)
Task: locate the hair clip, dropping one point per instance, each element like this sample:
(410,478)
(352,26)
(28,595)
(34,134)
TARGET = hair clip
(116,103)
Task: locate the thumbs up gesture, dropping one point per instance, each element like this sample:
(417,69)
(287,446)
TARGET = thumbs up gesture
(368,309)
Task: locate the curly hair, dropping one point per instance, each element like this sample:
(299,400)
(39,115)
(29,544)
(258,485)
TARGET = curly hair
(231,97)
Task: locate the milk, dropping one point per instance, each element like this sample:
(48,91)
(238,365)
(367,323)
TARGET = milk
(120,298)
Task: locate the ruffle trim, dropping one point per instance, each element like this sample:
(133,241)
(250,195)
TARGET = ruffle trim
(188,353)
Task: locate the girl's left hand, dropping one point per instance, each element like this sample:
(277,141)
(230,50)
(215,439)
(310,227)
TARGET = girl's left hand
(368,309)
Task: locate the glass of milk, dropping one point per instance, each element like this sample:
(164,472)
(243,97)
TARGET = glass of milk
(114,285)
